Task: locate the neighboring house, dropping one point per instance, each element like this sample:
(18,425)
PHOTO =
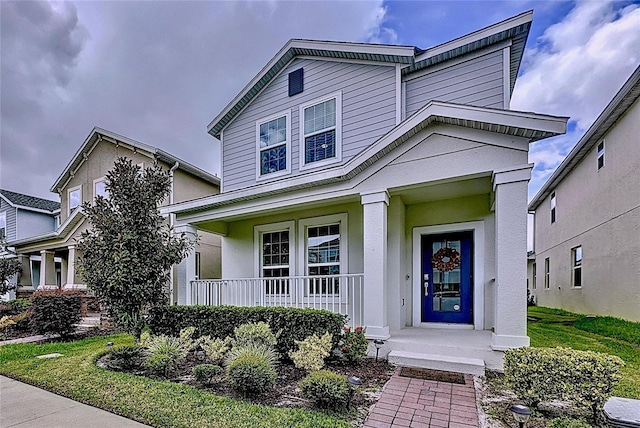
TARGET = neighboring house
(81,181)
(22,216)
(587,218)
(385,182)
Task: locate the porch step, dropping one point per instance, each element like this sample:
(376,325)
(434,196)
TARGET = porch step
(472,366)
(89,322)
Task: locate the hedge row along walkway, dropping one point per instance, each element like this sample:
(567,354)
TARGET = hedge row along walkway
(407,402)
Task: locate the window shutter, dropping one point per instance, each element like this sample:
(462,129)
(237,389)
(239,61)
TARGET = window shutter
(296,82)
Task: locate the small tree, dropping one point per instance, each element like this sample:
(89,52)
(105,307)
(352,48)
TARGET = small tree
(8,268)
(128,251)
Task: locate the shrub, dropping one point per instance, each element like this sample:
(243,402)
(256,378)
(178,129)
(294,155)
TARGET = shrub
(220,321)
(187,342)
(214,349)
(6,322)
(164,353)
(354,345)
(203,373)
(539,374)
(127,357)
(254,333)
(22,321)
(311,352)
(327,389)
(567,423)
(250,369)
(55,312)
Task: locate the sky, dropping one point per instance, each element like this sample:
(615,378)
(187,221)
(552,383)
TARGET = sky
(160,71)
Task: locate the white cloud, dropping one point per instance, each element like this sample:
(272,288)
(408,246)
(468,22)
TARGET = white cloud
(575,69)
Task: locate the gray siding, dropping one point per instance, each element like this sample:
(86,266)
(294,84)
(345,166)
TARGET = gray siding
(368,112)
(478,81)
(11,219)
(32,224)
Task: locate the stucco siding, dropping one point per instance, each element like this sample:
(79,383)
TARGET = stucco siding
(10,215)
(368,112)
(32,224)
(598,209)
(478,81)
(187,187)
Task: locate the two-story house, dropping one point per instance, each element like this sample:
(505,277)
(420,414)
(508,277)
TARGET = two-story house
(22,216)
(388,183)
(81,181)
(587,218)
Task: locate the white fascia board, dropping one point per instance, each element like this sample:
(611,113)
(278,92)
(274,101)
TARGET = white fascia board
(37,210)
(523,18)
(508,118)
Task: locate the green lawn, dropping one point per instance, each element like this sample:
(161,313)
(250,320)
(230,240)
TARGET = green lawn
(161,404)
(601,334)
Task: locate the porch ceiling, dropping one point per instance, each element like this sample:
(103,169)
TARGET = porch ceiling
(444,190)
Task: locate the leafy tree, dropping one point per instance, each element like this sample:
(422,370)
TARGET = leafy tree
(8,268)
(128,251)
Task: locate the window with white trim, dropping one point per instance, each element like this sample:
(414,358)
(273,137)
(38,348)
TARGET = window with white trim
(74,198)
(197,261)
(576,265)
(100,188)
(553,207)
(274,145)
(320,131)
(275,242)
(546,273)
(3,224)
(601,154)
(535,279)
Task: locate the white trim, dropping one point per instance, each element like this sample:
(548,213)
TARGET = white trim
(399,99)
(404,101)
(222,160)
(506,78)
(69,191)
(287,143)
(341,219)
(338,128)
(258,230)
(477,227)
(341,60)
(3,215)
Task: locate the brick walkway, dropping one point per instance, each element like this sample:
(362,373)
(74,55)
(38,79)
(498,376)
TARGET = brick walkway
(407,402)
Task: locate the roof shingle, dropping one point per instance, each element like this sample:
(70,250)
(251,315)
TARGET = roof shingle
(30,201)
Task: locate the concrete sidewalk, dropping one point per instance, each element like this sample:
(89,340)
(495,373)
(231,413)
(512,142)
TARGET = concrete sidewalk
(25,406)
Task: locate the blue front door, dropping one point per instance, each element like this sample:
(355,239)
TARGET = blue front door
(447,267)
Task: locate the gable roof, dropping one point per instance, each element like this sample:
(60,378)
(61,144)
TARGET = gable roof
(531,126)
(414,59)
(31,203)
(99,134)
(617,107)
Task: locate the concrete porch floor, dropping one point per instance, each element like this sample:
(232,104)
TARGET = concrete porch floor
(465,351)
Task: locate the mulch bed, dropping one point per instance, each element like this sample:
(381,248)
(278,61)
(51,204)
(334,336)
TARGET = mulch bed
(437,375)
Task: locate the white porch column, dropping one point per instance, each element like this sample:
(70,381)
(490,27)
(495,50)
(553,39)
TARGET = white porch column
(47,270)
(375,264)
(71,266)
(510,187)
(186,271)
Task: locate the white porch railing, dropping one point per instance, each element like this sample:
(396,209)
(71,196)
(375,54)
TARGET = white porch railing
(336,293)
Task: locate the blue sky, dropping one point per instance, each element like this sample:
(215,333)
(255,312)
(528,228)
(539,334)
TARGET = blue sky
(158,72)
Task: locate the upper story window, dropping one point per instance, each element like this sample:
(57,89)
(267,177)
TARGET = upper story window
(75,198)
(320,131)
(553,207)
(3,224)
(274,145)
(601,154)
(56,221)
(576,264)
(100,188)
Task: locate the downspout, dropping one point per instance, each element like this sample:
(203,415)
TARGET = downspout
(172,217)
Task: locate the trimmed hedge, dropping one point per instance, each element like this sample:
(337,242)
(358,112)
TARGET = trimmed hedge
(289,324)
(55,312)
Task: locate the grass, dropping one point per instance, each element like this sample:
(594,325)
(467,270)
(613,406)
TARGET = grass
(613,336)
(157,403)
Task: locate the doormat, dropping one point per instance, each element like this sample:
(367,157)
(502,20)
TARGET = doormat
(437,375)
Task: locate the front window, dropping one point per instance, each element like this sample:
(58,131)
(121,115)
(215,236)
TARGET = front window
(576,263)
(274,136)
(546,273)
(323,258)
(320,131)
(75,198)
(275,261)
(197,265)
(3,225)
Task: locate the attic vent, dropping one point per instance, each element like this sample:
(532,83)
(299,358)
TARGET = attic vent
(296,82)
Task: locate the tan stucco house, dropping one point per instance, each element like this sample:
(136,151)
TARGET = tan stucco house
(49,259)
(587,218)
(388,183)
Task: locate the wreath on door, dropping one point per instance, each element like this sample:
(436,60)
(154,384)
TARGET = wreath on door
(446,259)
